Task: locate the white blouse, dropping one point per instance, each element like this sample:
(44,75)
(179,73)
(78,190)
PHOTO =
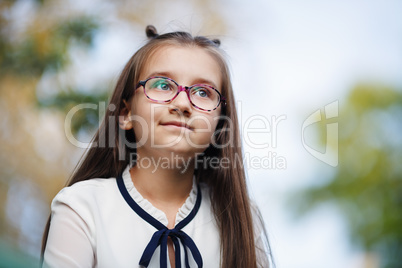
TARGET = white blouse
(92,225)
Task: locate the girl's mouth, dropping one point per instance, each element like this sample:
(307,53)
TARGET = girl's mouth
(177,124)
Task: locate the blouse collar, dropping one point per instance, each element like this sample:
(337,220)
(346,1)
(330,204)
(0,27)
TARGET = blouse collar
(153,211)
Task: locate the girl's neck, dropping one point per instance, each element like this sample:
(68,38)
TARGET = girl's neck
(163,184)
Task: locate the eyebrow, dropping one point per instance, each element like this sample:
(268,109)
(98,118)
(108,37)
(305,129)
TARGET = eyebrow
(197,81)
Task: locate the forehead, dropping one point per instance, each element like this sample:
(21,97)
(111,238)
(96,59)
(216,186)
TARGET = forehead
(186,65)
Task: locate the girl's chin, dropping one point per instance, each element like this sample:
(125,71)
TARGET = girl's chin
(179,150)
(181,144)
(184,151)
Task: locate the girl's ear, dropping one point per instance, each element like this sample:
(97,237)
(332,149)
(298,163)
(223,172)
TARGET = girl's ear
(125,121)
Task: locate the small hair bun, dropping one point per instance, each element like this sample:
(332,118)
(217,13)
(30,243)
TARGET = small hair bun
(151,32)
(216,42)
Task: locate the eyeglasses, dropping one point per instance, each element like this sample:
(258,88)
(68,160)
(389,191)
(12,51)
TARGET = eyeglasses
(164,90)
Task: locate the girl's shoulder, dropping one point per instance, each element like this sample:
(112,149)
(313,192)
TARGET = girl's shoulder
(86,192)
(91,185)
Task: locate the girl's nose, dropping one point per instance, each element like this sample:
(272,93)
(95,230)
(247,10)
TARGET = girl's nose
(182,103)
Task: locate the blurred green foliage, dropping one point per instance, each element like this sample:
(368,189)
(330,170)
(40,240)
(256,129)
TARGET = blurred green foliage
(44,47)
(84,120)
(11,257)
(367,185)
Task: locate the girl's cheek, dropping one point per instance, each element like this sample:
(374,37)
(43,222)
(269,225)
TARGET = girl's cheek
(210,128)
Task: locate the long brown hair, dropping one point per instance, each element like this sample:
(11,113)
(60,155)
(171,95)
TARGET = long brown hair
(228,189)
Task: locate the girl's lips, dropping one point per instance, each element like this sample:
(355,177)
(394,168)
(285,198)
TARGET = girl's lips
(177,124)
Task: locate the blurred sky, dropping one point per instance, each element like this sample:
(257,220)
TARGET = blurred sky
(288,58)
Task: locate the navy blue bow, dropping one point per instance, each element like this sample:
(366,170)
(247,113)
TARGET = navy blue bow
(160,237)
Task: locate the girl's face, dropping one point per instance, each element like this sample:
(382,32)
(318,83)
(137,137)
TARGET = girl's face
(177,126)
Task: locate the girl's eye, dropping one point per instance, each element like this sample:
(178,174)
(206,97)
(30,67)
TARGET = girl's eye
(162,85)
(201,92)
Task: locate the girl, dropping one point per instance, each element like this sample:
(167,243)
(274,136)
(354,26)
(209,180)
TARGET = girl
(163,183)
